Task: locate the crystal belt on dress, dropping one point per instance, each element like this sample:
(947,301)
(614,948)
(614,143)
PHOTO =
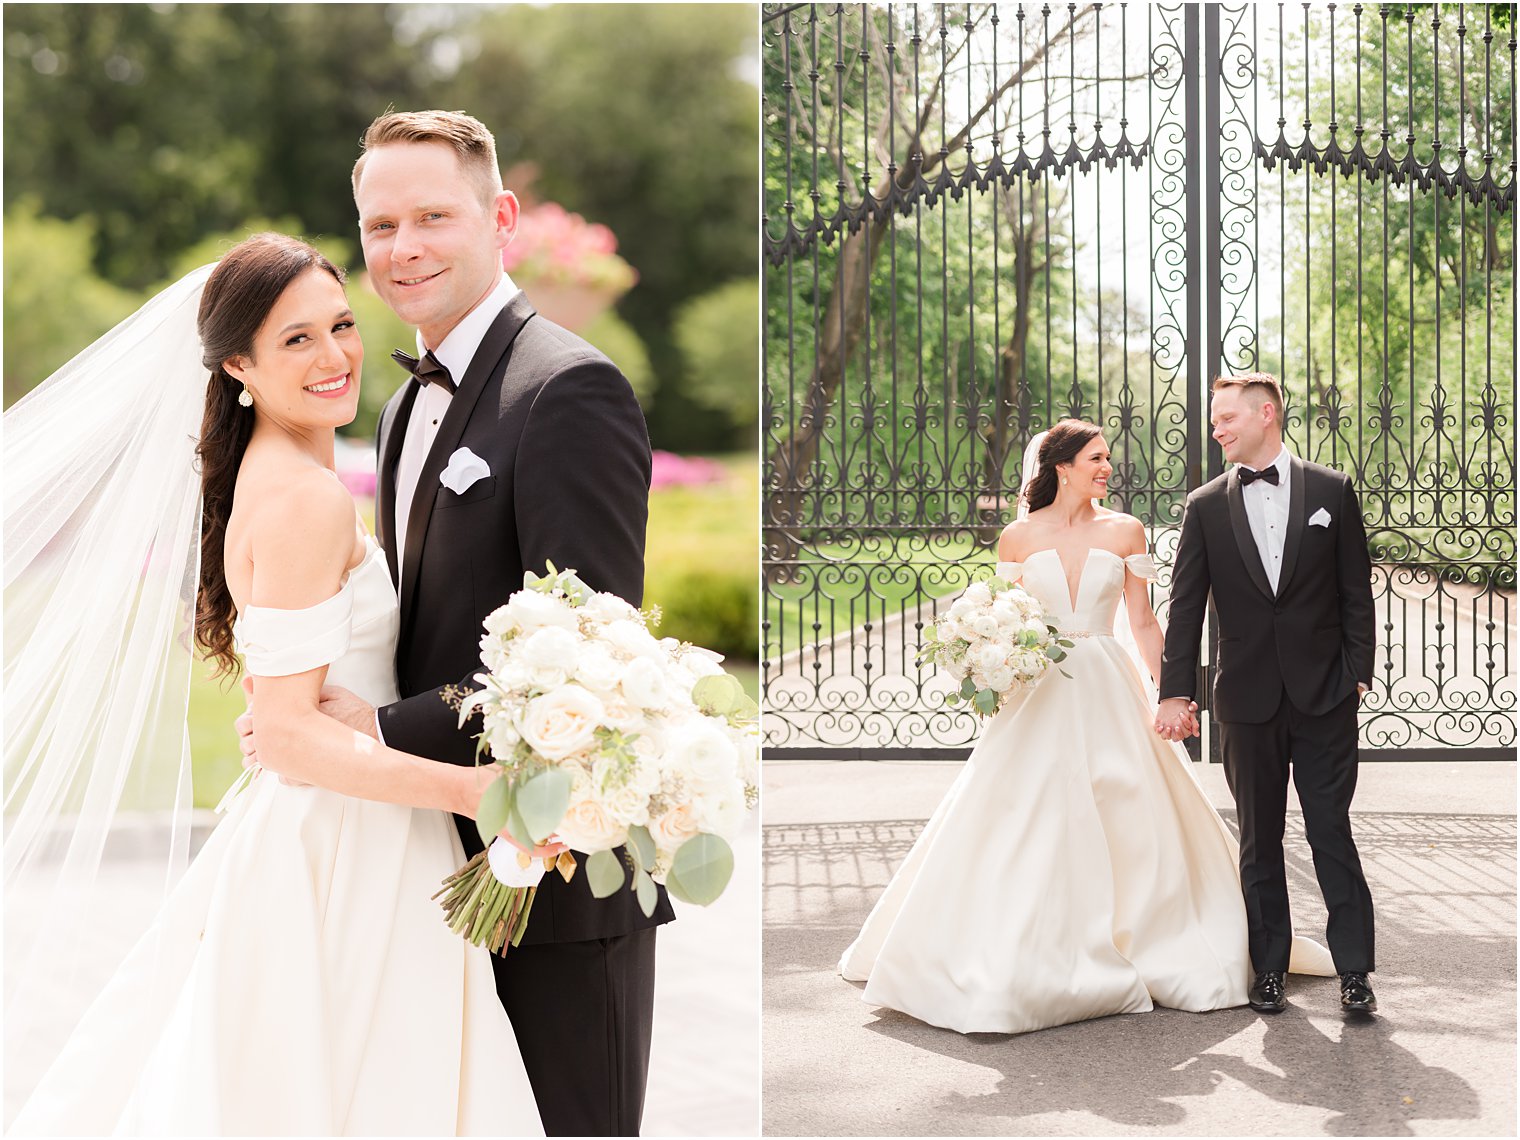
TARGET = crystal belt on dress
(1085,633)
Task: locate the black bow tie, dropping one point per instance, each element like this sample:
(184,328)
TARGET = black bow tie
(427,370)
(1266,475)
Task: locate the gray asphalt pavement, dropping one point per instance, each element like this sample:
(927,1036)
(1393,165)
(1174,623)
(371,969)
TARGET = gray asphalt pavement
(1438,845)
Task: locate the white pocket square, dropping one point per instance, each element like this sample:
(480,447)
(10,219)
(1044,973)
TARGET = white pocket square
(1320,517)
(465,468)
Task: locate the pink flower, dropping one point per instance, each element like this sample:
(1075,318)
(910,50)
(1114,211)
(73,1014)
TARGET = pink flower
(672,470)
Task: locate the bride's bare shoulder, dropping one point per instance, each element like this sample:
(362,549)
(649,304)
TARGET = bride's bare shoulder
(1126,529)
(1014,540)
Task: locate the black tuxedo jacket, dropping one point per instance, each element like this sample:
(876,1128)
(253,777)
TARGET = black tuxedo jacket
(569,459)
(1312,640)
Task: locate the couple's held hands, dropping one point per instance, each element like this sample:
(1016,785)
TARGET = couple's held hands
(1177,718)
(335,701)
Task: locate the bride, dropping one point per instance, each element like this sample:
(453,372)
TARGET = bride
(1075,868)
(298,979)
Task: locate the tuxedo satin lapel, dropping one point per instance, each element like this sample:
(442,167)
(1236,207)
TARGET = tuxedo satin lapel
(486,363)
(390,457)
(1241,525)
(1292,540)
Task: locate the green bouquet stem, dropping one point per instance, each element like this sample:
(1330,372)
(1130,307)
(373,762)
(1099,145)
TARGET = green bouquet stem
(481,910)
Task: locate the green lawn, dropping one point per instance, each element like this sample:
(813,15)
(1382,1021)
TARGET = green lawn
(843,586)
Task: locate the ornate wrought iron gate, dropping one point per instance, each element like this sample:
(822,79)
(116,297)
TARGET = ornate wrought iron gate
(980,218)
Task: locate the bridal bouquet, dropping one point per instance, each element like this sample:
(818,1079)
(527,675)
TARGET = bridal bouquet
(996,640)
(607,738)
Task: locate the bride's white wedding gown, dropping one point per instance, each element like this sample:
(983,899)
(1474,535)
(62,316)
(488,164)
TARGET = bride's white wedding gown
(1076,867)
(300,980)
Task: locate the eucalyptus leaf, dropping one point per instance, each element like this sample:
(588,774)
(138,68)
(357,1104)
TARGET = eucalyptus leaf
(542,801)
(717,695)
(517,828)
(644,887)
(968,688)
(495,806)
(604,874)
(986,702)
(702,867)
(641,843)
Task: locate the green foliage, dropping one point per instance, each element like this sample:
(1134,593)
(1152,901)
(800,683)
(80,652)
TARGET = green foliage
(719,337)
(646,126)
(621,345)
(702,559)
(169,125)
(701,869)
(54,303)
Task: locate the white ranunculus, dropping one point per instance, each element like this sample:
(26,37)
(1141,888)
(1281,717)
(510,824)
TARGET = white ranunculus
(703,752)
(984,625)
(550,647)
(501,734)
(589,827)
(643,684)
(561,722)
(720,811)
(1035,626)
(1000,679)
(597,669)
(989,655)
(977,594)
(674,827)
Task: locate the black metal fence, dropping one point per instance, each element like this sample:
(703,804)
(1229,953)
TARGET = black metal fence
(979,219)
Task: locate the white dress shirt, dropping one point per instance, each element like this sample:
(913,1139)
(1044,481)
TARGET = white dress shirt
(1267,512)
(455,354)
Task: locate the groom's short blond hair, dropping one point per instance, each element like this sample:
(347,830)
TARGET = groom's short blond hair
(1260,386)
(466,135)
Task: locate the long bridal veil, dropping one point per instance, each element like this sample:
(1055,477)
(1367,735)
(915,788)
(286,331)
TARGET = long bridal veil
(102,553)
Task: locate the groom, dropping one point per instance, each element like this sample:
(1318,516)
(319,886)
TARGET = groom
(514,445)
(1279,544)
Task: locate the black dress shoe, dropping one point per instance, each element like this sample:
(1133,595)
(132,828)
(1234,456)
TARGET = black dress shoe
(1356,993)
(1267,995)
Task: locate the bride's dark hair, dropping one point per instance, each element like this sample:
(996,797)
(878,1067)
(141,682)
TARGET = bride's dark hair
(1062,444)
(235,302)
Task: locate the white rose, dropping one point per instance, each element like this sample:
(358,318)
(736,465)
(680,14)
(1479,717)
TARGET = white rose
(674,828)
(702,751)
(632,639)
(999,679)
(643,684)
(701,662)
(608,608)
(529,610)
(561,722)
(620,713)
(589,827)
